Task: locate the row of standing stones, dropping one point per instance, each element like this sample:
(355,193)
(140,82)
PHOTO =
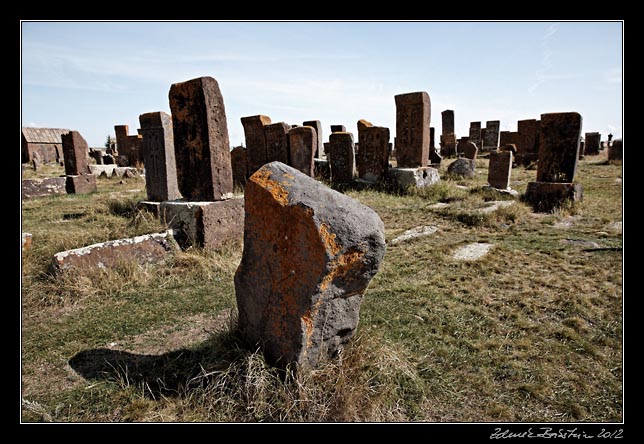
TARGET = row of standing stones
(309,251)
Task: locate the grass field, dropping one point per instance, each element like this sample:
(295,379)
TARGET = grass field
(531,332)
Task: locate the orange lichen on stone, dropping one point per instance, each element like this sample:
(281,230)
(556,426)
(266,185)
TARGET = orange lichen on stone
(342,266)
(263,178)
(329,240)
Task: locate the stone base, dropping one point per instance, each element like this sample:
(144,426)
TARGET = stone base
(322,169)
(208,225)
(546,196)
(43,187)
(509,191)
(83,184)
(149,248)
(413,177)
(148,205)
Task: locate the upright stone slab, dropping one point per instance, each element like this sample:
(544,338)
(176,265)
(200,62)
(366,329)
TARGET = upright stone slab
(341,157)
(616,150)
(317,125)
(500,169)
(432,138)
(469,150)
(80,184)
(592,143)
(256,153)
(309,255)
(448,144)
(491,141)
(412,129)
(362,125)
(528,141)
(509,138)
(276,142)
(559,149)
(338,129)
(373,158)
(238,163)
(447,118)
(158,157)
(582,149)
(76,153)
(475,133)
(302,143)
(201,145)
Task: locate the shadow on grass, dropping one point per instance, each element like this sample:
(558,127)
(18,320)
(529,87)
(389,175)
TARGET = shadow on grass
(167,374)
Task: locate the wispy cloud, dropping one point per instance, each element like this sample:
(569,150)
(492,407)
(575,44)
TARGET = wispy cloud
(545,72)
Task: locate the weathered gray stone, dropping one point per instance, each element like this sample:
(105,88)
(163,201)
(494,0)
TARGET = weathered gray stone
(559,149)
(309,255)
(616,150)
(201,145)
(302,144)
(500,169)
(75,153)
(317,125)
(83,184)
(256,152)
(413,111)
(412,177)
(146,249)
(341,157)
(208,225)
(547,196)
(472,252)
(373,158)
(158,157)
(43,187)
(462,167)
(413,233)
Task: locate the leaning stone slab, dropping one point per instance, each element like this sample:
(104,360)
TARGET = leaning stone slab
(413,177)
(83,184)
(146,249)
(309,255)
(43,187)
(208,225)
(546,196)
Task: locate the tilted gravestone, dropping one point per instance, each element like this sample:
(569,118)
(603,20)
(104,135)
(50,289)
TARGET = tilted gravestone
(158,157)
(469,150)
(309,255)
(201,145)
(75,153)
(413,112)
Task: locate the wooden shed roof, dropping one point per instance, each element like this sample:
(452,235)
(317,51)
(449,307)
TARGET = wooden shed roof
(43,135)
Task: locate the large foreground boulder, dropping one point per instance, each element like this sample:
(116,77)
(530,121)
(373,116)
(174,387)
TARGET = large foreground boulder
(309,254)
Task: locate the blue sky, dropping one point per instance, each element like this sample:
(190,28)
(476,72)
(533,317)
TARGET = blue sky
(90,76)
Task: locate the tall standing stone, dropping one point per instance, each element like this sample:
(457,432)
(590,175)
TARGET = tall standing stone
(592,143)
(341,157)
(491,141)
(317,125)
(201,145)
(373,157)
(276,142)
(616,150)
(447,120)
(302,142)
(528,141)
(432,138)
(413,112)
(309,255)
(158,157)
(239,166)
(76,153)
(500,169)
(255,141)
(475,133)
(559,149)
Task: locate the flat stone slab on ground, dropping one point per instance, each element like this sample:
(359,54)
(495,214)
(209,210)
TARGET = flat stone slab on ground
(472,252)
(495,205)
(439,206)
(424,230)
(43,187)
(146,249)
(615,226)
(413,177)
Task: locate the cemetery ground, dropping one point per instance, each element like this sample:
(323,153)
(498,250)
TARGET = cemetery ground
(530,332)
